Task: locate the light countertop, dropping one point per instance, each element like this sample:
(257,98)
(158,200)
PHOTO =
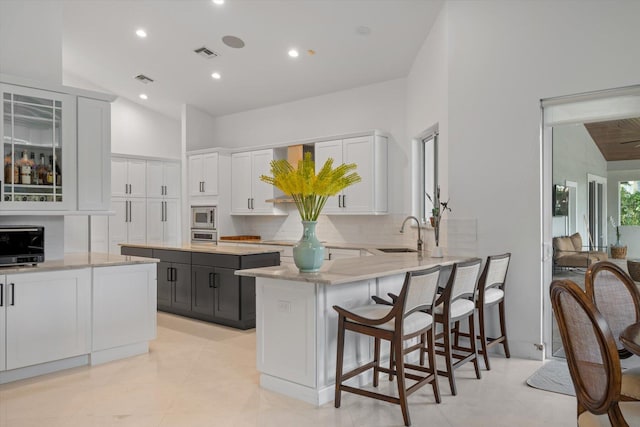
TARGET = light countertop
(370,247)
(353,269)
(78,260)
(211,248)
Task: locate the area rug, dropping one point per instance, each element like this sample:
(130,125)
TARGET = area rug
(553,376)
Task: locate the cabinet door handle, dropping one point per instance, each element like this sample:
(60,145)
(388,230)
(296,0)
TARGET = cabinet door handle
(13,293)
(168,274)
(203,183)
(212,280)
(1,294)
(175,274)
(248,203)
(130,216)
(165,211)
(339,201)
(344,200)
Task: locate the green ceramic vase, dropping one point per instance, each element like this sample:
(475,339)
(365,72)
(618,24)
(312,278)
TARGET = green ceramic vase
(308,253)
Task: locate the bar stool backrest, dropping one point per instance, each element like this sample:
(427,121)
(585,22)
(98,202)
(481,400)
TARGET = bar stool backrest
(464,279)
(423,286)
(497,271)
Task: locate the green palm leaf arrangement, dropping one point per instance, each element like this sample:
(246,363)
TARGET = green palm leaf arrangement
(309,190)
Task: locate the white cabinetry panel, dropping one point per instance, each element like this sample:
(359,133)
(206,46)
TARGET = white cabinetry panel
(248,192)
(203,174)
(129,292)
(369,153)
(94,152)
(48,316)
(4,292)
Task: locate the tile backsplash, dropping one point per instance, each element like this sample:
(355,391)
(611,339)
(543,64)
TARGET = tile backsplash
(369,229)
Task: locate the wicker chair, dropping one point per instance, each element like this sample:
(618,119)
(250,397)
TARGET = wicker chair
(593,359)
(618,300)
(405,319)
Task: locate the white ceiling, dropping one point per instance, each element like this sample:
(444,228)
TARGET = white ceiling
(100,45)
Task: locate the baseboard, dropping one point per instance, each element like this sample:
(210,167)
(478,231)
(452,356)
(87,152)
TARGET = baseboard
(43,368)
(108,355)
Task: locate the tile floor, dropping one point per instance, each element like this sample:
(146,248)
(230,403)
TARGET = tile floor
(198,374)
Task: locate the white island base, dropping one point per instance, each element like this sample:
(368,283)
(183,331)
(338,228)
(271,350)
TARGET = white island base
(296,325)
(296,329)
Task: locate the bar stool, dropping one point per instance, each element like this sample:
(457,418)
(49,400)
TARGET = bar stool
(405,319)
(491,292)
(458,302)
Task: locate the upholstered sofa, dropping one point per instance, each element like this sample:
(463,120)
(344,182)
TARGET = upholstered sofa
(569,252)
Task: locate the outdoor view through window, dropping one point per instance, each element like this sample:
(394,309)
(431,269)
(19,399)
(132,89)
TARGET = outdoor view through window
(630,203)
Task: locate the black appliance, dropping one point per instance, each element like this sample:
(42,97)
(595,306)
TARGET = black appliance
(21,244)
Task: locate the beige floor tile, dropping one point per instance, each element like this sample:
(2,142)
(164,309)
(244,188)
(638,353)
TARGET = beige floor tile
(199,374)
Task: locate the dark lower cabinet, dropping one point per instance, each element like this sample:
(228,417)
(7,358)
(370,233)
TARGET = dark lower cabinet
(164,285)
(204,285)
(181,297)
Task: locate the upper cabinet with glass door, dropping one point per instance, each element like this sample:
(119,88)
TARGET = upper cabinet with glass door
(38,129)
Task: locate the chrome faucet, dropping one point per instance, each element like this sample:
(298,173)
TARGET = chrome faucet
(420,242)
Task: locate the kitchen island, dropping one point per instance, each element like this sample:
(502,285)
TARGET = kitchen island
(296,324)
(198,280)
(86,308)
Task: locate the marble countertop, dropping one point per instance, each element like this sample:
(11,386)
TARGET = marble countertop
(78,260)
(212,248)
(353,269)
(370,247)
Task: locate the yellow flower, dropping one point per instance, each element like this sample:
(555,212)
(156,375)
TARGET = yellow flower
(308,190)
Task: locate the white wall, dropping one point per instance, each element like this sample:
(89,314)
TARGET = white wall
(427,94)
(31,39)
(503,58)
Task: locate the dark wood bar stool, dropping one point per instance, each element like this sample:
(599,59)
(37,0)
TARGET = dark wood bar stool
(405,319)
(491,291)
(456,303)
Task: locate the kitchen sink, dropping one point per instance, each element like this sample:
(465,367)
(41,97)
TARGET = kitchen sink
(396,250)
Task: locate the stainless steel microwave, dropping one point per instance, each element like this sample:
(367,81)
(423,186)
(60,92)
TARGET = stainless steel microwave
(21,244)
(203,217)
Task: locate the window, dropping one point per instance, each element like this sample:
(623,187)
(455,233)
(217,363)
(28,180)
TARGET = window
(429,169)
(629,202)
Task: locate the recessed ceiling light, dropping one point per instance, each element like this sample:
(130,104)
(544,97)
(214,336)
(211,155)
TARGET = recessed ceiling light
(141,33)
(144,96)
(218,2)
(363,30)
(216,76)
(293,53)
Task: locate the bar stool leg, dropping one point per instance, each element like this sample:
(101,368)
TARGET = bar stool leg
(376,355)
(402,391)
(432,363)
(503,329)
(483,337)
(448,357)
(474,348)
(339,361)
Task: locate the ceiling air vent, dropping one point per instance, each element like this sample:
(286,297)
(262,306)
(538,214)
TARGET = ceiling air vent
(144,79)
(205,52)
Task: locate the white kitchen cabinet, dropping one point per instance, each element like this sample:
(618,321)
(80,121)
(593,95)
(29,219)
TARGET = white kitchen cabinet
(124,305)
(163,179)
(128,177)
(162,221)
(369,153)
(94,154)
(249,194)
(128,225)
(43,124)
(46,315)
(203,174)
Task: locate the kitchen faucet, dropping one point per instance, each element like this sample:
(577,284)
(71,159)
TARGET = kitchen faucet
(420,242)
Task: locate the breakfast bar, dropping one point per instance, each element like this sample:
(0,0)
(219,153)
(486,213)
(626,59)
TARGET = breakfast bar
(296,324)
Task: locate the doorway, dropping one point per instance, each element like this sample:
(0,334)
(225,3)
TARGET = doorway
(573,159)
